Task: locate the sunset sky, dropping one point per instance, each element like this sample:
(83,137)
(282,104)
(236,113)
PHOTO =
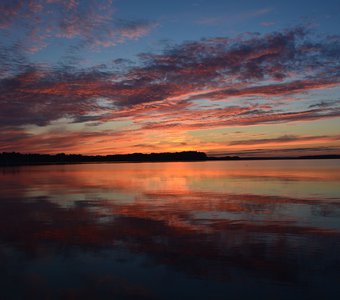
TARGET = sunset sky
(251,78)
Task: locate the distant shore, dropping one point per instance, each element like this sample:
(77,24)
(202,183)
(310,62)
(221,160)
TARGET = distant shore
(17,159)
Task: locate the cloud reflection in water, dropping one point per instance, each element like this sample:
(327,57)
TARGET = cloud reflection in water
(154,230)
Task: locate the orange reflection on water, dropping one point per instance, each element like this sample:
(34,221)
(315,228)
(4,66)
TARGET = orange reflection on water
(207,220)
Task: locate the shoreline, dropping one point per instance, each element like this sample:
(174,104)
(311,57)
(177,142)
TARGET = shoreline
(45,163)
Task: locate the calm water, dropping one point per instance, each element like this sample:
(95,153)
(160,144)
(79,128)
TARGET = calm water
(203,230)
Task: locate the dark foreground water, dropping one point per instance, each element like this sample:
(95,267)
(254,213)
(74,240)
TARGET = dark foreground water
(203,230)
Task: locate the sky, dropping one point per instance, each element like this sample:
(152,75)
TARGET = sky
(247,78)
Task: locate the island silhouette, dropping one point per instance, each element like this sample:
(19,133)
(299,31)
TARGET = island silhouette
(16,158)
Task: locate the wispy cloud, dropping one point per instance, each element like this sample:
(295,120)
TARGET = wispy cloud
(235,17)
(267,24)
(94,23)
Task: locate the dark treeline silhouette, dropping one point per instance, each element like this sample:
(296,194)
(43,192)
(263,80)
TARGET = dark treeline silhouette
(14,158)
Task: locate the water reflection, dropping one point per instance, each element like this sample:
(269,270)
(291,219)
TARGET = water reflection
(154,231)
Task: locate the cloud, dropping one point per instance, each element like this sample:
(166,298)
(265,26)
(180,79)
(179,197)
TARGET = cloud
(324,104)
(12,61)
(267,24)
(163,91)
(286,139)
(256,117)
(275,89)
(234,18)
(94,30)
(89,23)
(233,66)
(9,10)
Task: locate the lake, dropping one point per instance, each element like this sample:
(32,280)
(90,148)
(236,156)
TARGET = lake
(179,230)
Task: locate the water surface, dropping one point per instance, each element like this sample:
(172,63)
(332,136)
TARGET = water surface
(201,230)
